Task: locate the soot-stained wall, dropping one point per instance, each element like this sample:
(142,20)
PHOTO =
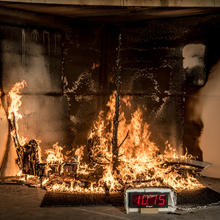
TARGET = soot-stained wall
(88,71)
(34,55)
(152,72)
(70,75)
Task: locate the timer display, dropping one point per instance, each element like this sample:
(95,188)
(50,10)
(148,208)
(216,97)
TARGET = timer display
(148,200)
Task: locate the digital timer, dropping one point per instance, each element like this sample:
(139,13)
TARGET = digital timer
(153,199)
(161,199)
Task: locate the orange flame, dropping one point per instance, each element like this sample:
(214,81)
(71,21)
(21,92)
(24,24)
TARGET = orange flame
(140,162)
(55,155)
(15,104)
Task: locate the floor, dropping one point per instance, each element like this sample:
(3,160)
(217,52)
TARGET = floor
(22,202)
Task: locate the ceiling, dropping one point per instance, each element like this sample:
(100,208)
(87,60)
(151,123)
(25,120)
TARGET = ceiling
(74,12)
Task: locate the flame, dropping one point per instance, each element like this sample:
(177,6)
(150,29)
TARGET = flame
(55,155)
(15,104)
(140,162)
(19,173)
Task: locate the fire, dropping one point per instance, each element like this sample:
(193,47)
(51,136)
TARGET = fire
(13,110)
(137,163)
(55,155)
(140,162)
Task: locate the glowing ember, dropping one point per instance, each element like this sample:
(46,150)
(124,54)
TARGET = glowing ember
(140,162)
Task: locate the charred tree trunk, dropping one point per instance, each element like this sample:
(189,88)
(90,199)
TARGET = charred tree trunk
(115,147)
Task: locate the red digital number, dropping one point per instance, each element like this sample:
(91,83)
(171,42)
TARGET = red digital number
(155,201)
(143,197)
(161,199)
(149,199)
(139,198)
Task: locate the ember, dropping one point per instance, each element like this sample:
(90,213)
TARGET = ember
(139,162)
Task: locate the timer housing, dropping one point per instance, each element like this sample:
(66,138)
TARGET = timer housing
(160,198)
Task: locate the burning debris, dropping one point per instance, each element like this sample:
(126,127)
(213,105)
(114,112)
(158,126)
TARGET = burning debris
(28,154)
(99,167)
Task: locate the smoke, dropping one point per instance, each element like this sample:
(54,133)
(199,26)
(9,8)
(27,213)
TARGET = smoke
(193,63)
(45,117)
(209,105)
(195,77)
(193,55)
(33,68)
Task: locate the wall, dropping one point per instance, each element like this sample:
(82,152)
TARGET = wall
(33,55)
(152,72)
(71,74)
(208,106)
